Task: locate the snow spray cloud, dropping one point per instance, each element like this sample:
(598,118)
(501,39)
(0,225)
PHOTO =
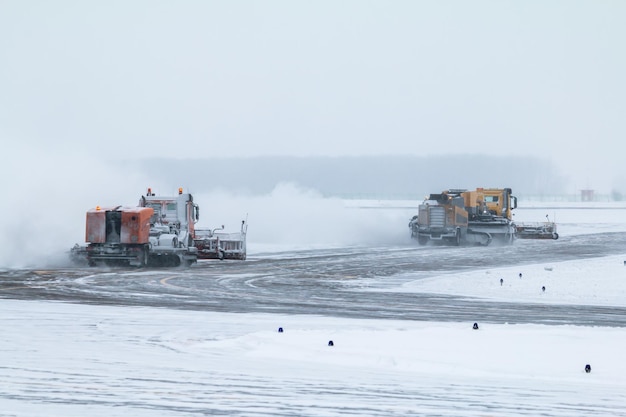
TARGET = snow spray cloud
(291,217)
(46,200)
(49,195)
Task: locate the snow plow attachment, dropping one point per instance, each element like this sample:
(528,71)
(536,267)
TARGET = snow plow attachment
(218,244)
(539,230)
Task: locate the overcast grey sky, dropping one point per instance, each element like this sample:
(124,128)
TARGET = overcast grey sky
(128,79)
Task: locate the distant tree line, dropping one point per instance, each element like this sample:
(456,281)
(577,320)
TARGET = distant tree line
(382,176)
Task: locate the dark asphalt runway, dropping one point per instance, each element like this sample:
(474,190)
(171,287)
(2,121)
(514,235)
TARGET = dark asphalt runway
(327,282)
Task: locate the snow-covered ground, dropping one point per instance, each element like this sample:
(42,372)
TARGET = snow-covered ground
(75,360)
(59,359)
(599,281)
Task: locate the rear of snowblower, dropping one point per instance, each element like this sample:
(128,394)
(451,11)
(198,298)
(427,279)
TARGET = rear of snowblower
(159,232)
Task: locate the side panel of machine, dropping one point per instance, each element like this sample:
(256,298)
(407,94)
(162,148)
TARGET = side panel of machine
(96,226)
(136,225)
(423,218)
(460,217)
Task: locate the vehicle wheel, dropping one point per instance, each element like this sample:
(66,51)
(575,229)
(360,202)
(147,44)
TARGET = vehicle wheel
(555,236)
(457,238)
(422,240)
(144,261)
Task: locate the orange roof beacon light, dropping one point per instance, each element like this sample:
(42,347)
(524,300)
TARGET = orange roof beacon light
(180,190)
(97,208)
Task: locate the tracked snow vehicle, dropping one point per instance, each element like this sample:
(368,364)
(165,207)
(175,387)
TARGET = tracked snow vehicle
(459,217)
(481,216)
(159,232)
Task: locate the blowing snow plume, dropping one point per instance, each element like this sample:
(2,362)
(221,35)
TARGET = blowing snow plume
(47,199)
(50,197)
(291,217)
